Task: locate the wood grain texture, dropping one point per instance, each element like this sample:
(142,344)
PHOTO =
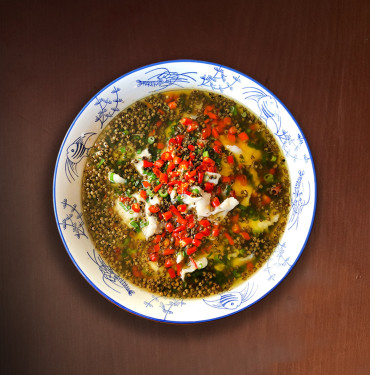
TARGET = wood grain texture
(314,55)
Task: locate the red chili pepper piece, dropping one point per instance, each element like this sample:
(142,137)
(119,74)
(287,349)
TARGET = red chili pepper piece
(157,187)
(186,121)
(230,159)
(168,251)
(169,227)
(191,147)
(156,248)
(182,207)
(204,223)
(243,136)
(168,263)
(154,209)
(179,139)
(200,178)
(166,156)
(209,161)
(153,257)
(191,250)
(171,272)
(191,225)
(143,194)
(163,178)
(179,229)
(245,235)
(159,163)
(208,186)
(167,215)
(178,268)
(206,232)
(196,242)
(215,202)
(229,238)
(199,236)
(215,232)
(147,164)
(136,207)
(146,184)
(172,141)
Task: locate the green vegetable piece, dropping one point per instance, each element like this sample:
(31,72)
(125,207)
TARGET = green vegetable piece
(135,225)
(163,193)
(100,163)
(126,132)
(195,191)
(123,150)
(206,154)
(151,140)
(233,110)
(268,177)
(139,151)
(273,158)
(124,206)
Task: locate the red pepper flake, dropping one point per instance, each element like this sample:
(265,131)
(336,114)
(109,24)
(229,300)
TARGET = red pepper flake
(171,167)
(199,236)
(191,147)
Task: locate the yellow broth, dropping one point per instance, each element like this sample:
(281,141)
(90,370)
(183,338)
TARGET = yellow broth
(186,193)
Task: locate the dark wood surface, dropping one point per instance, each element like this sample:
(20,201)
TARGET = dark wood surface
(314,55)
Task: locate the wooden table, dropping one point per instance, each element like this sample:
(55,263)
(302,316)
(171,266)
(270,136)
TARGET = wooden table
(314,55)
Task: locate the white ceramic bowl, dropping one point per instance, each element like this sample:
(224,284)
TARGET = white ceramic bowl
(121,93)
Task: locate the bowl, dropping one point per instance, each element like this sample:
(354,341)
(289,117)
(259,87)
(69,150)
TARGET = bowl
(121,93)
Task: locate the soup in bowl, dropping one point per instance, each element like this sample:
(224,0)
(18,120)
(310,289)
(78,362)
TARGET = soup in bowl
(184,191)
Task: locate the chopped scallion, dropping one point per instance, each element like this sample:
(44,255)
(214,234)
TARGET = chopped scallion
(163,193)
(151,140)
(100,163)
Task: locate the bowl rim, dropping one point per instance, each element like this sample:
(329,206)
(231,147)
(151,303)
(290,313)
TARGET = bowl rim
(92,283)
